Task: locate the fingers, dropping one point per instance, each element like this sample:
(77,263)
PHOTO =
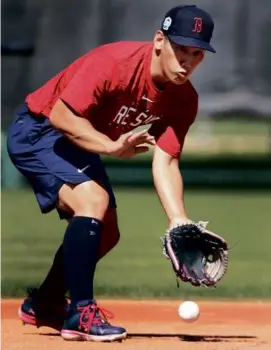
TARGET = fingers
(126,137)
(131,144)
(132,136)
(136,139)
(140,137)
(151,141)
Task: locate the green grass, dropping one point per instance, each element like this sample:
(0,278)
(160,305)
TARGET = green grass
(136,268)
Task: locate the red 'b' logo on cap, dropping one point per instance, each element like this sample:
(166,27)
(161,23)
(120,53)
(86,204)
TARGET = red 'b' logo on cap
(198,25)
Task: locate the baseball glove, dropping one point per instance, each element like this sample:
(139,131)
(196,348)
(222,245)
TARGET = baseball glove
(197,255)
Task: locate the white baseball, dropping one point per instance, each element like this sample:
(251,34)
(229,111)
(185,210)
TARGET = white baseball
(189,311)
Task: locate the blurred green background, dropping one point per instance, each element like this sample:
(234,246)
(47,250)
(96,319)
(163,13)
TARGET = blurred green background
(136,267)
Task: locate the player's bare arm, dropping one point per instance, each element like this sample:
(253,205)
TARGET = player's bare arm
(81,132)
(169,186)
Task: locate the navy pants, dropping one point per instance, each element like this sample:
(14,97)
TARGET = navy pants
(48,159)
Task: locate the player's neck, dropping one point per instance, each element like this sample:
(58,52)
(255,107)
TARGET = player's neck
(156,72)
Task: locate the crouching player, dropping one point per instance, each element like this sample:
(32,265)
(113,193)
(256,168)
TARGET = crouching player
(88,110)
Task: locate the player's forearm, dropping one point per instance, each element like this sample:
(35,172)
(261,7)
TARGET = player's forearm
(86,137)
(79,130)
(169,186)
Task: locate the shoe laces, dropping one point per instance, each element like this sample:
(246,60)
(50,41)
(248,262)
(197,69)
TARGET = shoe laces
(93,315)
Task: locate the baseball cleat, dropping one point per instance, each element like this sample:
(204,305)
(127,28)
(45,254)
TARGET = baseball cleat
(89,322)
(38,311)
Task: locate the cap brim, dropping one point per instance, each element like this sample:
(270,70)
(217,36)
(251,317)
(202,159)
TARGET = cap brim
(185,41)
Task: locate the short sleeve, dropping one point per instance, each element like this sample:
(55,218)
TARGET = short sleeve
(89,83)
(170,134)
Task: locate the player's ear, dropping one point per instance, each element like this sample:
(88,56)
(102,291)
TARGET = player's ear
(159,40)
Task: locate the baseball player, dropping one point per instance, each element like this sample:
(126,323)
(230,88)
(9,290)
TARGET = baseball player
(87,110)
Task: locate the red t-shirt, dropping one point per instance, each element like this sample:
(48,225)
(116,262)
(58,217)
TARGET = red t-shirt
(112,87)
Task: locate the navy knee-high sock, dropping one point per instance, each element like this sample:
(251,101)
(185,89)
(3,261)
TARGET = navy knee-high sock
(54,286)
(80,248)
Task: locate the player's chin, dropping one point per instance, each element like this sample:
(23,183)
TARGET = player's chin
(179,80)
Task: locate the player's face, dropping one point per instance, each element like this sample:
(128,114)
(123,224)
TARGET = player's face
(178,62)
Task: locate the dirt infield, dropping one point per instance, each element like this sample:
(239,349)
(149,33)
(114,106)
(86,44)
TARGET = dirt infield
(155,325)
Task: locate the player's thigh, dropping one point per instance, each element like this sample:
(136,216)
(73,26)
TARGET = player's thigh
(54,165)
(86,189)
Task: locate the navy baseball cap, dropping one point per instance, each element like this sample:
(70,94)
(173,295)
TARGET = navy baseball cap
(189,26)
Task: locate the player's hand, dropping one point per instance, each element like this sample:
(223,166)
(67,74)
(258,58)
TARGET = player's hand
(132,144)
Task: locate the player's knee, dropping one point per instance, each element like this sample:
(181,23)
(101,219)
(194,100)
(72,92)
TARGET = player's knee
(88,199)
(96,206)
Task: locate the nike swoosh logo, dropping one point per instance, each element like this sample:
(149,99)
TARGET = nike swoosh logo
(83,169)
(147,99)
